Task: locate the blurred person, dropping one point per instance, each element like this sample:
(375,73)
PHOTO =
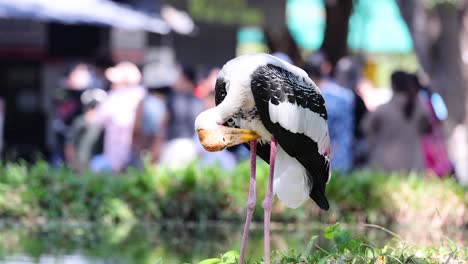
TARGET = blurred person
(207,85)
(340,109)
(283,56)
(394,129)
(435,152)
(225,158)
(437,102)
(102,62)
(67,105)
(320,60)
(117,114)
(183,108)
(348,74)
(458,146)
(149,130)
(372,96)
(84,140)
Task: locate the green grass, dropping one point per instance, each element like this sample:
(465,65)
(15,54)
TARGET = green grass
(347,249)
(40,193)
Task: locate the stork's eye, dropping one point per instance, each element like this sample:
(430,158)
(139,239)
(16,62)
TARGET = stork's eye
(224,140)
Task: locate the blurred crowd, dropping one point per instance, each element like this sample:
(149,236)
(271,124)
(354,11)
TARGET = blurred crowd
(404,134)
(106,119)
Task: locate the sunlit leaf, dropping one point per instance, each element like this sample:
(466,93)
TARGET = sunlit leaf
(330,230)
(211,261)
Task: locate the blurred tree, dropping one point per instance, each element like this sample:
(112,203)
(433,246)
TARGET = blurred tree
(283,42)
(335,42)
(439,29)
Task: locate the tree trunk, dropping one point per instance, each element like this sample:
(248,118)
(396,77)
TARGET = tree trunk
(335,43)
(447,67)
(283,42)
(438,35)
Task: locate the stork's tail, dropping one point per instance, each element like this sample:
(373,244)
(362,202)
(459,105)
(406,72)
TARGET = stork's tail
(317,193)
(319,197)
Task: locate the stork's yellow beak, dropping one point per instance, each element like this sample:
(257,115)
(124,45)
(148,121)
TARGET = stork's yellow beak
(223,137)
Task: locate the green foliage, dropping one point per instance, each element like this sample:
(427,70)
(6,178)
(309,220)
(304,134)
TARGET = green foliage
(116,210)
(390,198)
(40,192)
(230,257)
(347,249)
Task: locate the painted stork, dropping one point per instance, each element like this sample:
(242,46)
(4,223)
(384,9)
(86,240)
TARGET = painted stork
(260,97)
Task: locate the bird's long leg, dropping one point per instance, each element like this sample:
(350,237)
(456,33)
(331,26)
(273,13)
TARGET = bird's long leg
(251,200)
(267,204)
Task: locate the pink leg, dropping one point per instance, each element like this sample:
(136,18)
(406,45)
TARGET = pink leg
(268,202)
(251,200)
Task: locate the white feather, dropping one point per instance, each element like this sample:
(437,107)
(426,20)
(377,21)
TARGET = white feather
(208,119)
(301,120)
(289,180)
(241,68)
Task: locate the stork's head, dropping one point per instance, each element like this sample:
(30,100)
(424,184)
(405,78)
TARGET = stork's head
(216,137)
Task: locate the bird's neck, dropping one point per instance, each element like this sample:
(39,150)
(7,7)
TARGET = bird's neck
(231,104)
(209,119)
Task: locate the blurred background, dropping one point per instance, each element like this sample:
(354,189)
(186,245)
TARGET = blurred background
(41,42)
(113,87)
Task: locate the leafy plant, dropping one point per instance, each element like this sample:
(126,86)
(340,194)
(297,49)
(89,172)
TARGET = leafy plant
(347,249)
(230,257)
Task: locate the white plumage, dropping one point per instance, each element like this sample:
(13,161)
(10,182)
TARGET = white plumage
(298,119)
(290,180)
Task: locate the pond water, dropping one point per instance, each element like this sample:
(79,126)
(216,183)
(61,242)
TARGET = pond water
(145,243)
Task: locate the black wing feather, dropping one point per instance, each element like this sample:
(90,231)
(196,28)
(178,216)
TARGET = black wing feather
(220,90)
(275,84)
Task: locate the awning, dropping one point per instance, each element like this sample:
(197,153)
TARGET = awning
(101,12)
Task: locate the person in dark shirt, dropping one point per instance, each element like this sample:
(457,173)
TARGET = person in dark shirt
(68,107)
(149,130)
(183,106)
(348,74)
(84,139)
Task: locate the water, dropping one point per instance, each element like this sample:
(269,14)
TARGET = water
(146,243)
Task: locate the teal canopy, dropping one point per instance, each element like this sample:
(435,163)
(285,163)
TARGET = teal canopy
(306,22)
(250,35)
(375,26)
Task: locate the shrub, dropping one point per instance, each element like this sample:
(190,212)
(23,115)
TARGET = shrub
(39,192)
